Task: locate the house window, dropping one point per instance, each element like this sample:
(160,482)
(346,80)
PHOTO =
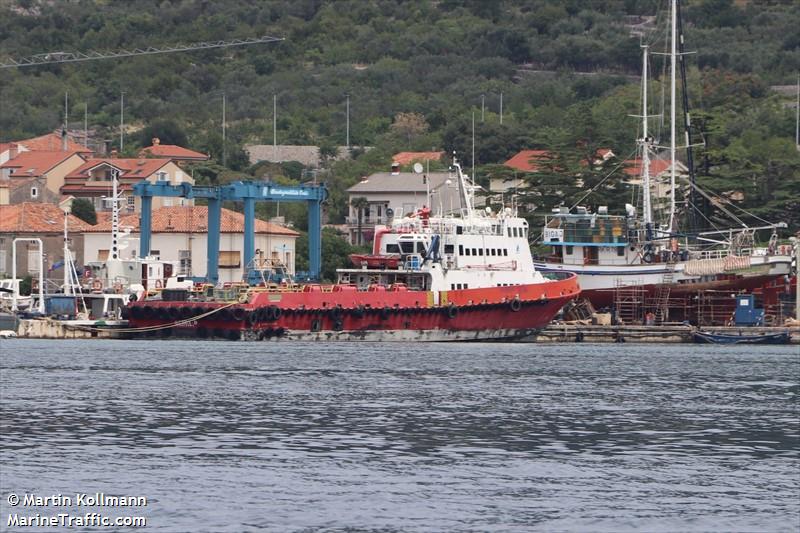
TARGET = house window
(186,262)
(131,203)
(34,192)
(230,259)
(33,261)
(102,255)
(287,259)
(2,261)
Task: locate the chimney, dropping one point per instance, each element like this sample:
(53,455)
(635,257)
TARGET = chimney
(13,150)
(156,141)
(64,139)
(395,168)
(113,153)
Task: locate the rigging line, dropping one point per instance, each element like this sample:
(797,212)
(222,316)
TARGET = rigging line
(745,211)
(708,197)
(604,179)
(700,212)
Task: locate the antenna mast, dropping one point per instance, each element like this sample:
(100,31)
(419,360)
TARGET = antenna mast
(645,142)
(672,58)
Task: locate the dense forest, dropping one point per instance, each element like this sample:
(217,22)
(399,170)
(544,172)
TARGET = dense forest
(417,72)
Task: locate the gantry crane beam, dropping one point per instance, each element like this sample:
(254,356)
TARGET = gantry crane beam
(74,57)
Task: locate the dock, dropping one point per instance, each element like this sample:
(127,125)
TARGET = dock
(555,333)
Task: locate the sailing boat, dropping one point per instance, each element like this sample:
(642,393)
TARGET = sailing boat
(627,260)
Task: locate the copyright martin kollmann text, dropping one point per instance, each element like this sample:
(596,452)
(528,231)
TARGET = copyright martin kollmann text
(98,499)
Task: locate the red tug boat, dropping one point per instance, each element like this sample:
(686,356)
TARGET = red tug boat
(429,278)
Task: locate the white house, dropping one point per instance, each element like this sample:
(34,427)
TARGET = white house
(180,234)
(402,192)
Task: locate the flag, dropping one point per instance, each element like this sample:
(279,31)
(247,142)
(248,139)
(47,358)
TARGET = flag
(55,266)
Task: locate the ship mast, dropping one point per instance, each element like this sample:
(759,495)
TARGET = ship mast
(645,142)
(672,57)
(464,190)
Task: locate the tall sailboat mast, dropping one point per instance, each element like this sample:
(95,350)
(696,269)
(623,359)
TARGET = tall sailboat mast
(646,202)
(672,56)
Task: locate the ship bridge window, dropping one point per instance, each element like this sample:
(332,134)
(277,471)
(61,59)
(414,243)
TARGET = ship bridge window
(568,250)
(505,251)
(449,248)
(620,251)
(392,249)
(480,251)
(407,247)
(468,252)
(420,247)
(494,252)
(459,230)
(460,249)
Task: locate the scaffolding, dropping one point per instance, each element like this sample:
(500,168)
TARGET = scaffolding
(628,301)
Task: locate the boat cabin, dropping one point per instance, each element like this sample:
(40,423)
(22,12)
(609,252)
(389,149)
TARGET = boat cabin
(585,238)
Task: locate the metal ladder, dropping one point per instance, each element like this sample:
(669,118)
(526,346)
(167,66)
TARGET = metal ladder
(662,293)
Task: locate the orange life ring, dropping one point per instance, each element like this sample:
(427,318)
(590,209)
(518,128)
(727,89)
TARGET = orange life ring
(97,285)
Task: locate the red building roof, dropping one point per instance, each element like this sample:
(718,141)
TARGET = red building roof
(35,163)
(193,219)
(29,217)
(131,169)
(525,160)
(52,142)
(633,167)
(404,158)
(172,151)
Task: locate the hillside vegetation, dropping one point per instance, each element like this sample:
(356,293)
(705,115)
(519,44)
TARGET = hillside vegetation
(566,70)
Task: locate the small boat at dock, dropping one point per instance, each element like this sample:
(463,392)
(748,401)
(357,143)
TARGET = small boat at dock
(709,337)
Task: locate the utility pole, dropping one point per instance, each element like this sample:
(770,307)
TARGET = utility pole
(483,106)
(121,121)
(86,124)
(274,128)
(473,146)
(224,144)
(797,118)
(501,108)
(66,119)
(348,119)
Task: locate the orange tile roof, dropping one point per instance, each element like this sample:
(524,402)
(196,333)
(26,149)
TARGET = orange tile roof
(404,158)
(136,169)
(172,151)
(523,160)
(29,217)
(633,167)
(52,142)
(28,164)
(193,219)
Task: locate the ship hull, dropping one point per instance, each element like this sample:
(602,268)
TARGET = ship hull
(496,313)
(599,283)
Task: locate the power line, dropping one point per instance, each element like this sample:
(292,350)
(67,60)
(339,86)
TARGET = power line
(74,57)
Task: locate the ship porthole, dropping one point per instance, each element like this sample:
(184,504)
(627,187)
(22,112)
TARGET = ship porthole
(316,325)
(515,304)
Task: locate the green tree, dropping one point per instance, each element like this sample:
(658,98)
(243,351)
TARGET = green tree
(84,210)
(335,253)
(359,204)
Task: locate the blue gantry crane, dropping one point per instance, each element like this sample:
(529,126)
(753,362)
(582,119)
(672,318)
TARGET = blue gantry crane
(249,193)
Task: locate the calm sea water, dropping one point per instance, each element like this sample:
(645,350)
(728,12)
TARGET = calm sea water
(419,437)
